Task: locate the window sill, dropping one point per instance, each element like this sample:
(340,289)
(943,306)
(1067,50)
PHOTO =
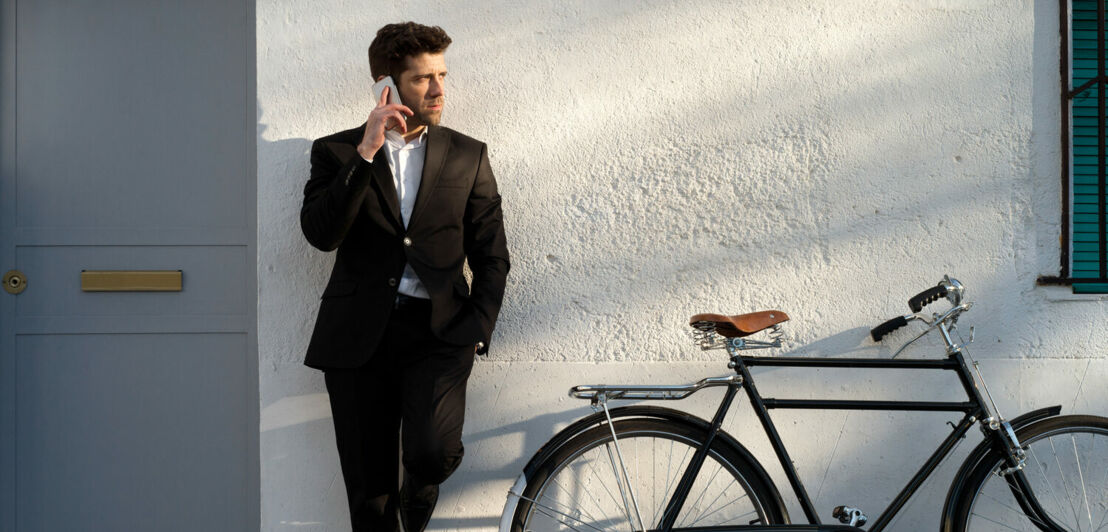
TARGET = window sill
(1065,293)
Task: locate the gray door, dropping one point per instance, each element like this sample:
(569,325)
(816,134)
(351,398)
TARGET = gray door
(128,142)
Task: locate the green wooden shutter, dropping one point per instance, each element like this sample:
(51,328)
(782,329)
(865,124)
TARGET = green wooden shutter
(1088,125)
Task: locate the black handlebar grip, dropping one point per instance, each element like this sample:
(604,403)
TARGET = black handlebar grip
(926,297)
(889,326)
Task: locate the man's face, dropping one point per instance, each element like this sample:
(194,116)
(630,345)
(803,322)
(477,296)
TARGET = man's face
(422,88)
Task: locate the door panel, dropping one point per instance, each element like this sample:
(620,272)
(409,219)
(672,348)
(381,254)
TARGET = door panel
(130,432)
(128,113)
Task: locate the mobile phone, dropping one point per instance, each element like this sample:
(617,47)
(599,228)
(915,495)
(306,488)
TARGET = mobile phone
(379,87)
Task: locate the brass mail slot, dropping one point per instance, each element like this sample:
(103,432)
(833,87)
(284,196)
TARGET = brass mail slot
(130,281)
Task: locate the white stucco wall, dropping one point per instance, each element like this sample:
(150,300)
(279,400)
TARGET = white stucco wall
(828,158)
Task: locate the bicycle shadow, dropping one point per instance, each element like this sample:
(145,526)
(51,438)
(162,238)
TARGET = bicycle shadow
(490,472)
(848,343)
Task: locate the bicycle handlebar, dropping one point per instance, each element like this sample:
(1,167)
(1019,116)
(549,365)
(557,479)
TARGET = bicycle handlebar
(948,288)
(889,326)
(926,297)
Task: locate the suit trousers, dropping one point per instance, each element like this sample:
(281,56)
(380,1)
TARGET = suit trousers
(410,395)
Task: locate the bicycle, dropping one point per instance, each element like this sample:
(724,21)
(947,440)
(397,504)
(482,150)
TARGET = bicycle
(1038,471)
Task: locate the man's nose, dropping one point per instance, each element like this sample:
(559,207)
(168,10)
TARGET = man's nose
(436,89)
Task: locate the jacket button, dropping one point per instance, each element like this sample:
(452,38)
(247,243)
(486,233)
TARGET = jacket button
(392,281)
(480,345)
(407,242)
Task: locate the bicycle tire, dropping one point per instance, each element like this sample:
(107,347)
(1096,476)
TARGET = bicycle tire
(575,488)
(1066,468)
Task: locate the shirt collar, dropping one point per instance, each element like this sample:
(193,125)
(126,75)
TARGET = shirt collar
(396,141)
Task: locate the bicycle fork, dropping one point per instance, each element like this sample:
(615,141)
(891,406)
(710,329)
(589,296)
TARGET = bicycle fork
(1004,436)
(1014,475)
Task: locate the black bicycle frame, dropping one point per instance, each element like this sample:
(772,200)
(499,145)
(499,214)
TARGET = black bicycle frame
(973,410)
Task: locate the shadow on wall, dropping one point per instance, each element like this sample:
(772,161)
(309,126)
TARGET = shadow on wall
(288,266)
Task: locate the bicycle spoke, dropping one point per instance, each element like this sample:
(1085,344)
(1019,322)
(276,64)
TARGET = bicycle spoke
(590,496)
(1081,477)
(623,481)
(620,503)
(1101,524)
(1049,484)
(739,518)
(574,499)
(1017,511)
(744,495)
(996,522)
(637,470)
(546,510)
(670,479)
(1065,485)
(705,490)
(592,474)
(697,499)
(592,470)
(551,507)
(701,515)
(1049,514)
(657,506)
(1104,484)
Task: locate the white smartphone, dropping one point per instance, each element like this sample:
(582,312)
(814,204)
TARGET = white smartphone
(394,97)
(379,87)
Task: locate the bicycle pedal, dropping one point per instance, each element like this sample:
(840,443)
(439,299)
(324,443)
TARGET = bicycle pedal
(849,516)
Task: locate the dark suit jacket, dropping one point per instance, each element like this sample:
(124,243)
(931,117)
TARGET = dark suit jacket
(351,205)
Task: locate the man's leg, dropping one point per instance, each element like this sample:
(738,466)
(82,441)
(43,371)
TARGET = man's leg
(365,407)
(433,412)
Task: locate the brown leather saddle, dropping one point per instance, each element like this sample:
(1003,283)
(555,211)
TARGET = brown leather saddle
(740,325)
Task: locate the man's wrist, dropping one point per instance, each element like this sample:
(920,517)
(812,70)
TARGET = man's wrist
(363,152)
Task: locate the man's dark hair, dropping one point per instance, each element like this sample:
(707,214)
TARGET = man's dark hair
(394,43)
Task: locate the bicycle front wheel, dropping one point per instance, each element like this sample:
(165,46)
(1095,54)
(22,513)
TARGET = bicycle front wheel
(580,487)
(1066,473)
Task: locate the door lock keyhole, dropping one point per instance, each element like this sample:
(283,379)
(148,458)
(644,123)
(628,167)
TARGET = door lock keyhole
(14,282)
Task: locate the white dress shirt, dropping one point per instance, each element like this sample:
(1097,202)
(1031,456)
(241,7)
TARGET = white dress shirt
(406,164)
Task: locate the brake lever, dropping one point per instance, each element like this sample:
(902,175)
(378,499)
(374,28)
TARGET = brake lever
(934,324)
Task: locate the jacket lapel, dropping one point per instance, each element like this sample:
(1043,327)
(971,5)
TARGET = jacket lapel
(382,177)
(438,144)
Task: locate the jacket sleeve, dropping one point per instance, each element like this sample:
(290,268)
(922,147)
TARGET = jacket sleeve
(486,248)
(334,193)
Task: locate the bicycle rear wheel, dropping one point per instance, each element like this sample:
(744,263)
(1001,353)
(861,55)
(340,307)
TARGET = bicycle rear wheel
(576,488)
(1067,473)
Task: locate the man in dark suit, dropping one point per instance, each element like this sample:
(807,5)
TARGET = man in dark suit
(406,203)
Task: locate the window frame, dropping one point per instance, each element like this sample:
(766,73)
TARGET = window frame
(1082,283)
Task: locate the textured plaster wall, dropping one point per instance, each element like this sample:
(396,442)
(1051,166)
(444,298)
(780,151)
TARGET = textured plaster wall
(827,158)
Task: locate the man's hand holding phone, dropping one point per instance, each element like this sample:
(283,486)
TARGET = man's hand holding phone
(383,117)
